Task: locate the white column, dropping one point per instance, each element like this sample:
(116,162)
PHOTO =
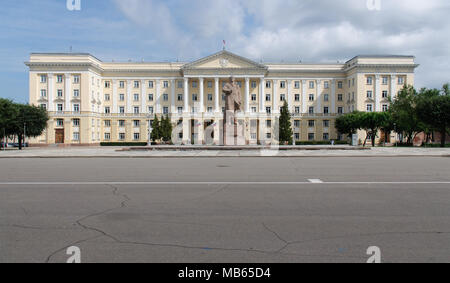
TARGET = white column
(333,96)
(186,95)
(158,97)
(202,92)
(51,90)
(290,96)
(393,81)
(261,96)
(114,97)
(129,110)
(319,96)
(216,95)
(172,96)
(144,109)
(247,95)
(304,98)
(377,93)
(275,97)
(67,92)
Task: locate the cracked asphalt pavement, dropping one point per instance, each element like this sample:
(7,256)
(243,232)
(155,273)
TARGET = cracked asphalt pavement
(145,210)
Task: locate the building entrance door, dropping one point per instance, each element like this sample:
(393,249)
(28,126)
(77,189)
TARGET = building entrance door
(59,136)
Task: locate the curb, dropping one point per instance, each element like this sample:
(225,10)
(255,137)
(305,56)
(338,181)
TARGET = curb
(241,156)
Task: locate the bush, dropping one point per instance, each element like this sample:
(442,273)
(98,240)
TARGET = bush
(123,144)
(321,143)
(435,145)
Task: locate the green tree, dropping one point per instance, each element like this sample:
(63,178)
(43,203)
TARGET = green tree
(425,95)
(30,121)
(435,111)
(156,129)
(348,124)
(166,129)
(404,113)
(8,114)
(285,125)
(372,122)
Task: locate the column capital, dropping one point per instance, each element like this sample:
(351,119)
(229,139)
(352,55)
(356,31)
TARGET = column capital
(247,79)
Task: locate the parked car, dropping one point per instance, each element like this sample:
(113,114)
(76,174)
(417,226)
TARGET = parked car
(17,144)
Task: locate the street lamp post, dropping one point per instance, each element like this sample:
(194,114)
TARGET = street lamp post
(396,134)
(150,129)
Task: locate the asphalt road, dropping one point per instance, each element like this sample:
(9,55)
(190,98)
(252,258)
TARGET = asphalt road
(225,209)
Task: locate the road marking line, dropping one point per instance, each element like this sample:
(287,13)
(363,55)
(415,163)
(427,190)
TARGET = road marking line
(312,181)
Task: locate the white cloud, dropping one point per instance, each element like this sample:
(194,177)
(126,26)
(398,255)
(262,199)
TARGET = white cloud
(311,30)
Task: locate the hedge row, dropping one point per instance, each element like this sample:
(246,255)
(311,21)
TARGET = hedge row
(123,144)
(320,143)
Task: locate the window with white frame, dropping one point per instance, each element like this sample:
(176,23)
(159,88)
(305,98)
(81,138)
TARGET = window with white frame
(253,84)
(180,97)
(107,97)
(369,94)
(136,123)
(326,123)
(150,109)
(121,123)
(326,136)
(122,97)
(384,80)
(311,110)
(165,84)
(122,110)
(254,110)
(59,78)
(326,85)
(43,78)
(107,84)
(43,93)
(122,136)
(136,84)
(340,110)
(180,110)
(282,97)
(311,97)
(311,123)
(76,79)
(297,97)
(209,84)
(107,110)
(76,93)
(326,110)
(384,94)
(311,137)
(253,97)
(150,84)
(326,97)
(136,97)
(401,80)
(180,84)
(268,84)
(297,124)
(107,123)
(59,122)
(136,136)
(136,110)
(268,110)
(194,97)
(76,122)
(282,84)
(76,108)
(107,136)
(311,84)
(369,108)
(150,97)
(296,84)
(165,110)
(297,110)
(340,97)
(165,97)
(340,85)
(76,136)
(267,97)
(369,80)
(385,107)
(210,97)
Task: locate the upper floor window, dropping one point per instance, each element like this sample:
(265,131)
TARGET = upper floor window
(253,97)
(326,97)
(326,85)
(369,80)
(165,84)
(136,97)
(43,78)
(369,108)
(311,97)
(340,97)
(384,80)
(76,108)
(107,84)
(150,84)
(121,84)
(107,97)
(136,110)
(60,107)
(194,84)
(297,97)
(282,97)
(136,84)
(311,110)
(209,84)
(76,122)
(369,94)
(384,94)
(282,84)
(268,84)
(180,84)
(76,79)
(253,85)
(401,80)
(43,93)
(165,97)
(76,93)
(267,97)
(122,97)
(311,84)
(297,84)
(180,97)
(60,93)
(59,78)
(150,97)
(340,85)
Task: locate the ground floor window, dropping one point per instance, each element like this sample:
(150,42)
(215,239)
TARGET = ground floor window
(136,136)
(326,137)
(122,136)
(76,136)
(311,136)
(297,136)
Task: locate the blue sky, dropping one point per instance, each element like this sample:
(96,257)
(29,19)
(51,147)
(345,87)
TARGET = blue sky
(263,30)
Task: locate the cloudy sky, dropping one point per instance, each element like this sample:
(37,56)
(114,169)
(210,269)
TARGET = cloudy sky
(262,30)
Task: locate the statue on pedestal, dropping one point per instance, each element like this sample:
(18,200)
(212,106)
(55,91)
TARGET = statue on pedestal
(233,104)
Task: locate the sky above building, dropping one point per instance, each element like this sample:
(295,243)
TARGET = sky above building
(262,30)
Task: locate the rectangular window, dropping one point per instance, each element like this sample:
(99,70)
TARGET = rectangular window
(180,97)
(76,108)
(43,78)
(254,109)
(165,97)
(297,136)
(369,108)
(136,84)
(180,110)
(122,110)
(150,84)
(326,85)
(369,94)
(121,123)
(137,136)
(76,79)
(311,97)
(60,123)
(385,80)
(311,84)
(43,93)
(297,124)
(210,97)
(282,84)
(340,110)
(209,84)
(253,84)
(268,110)
(150,97)
(107,84)
(340,97)
(297,97)
(59,78)
(107,110)
(165,84)
(107,123)
(384,94)
(401,80)
(150,109)
(385,107)
(253,97)
(326,136)
(311,137)
(326,110)
(136,123)
(121,84)
(282,97)
(210,109)
(267,97)
(136,97)
(340,85)
(180,84)
(326,123)
(194,84)
(107,97)
(165,110)
(311,110)
(122,136)
(76,136)
(369,80)
(122,97)
(297,110)
(136,110)
(194,97)
(326,97)
(311,123)
(107,136)
(76,122)
(296,84)
(268,84)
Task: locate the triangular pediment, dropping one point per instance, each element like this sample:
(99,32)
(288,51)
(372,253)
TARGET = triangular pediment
(224,60)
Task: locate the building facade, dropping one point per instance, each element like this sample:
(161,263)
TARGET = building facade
(90,101)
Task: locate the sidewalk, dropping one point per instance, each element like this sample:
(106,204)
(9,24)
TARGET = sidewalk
(118,152)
